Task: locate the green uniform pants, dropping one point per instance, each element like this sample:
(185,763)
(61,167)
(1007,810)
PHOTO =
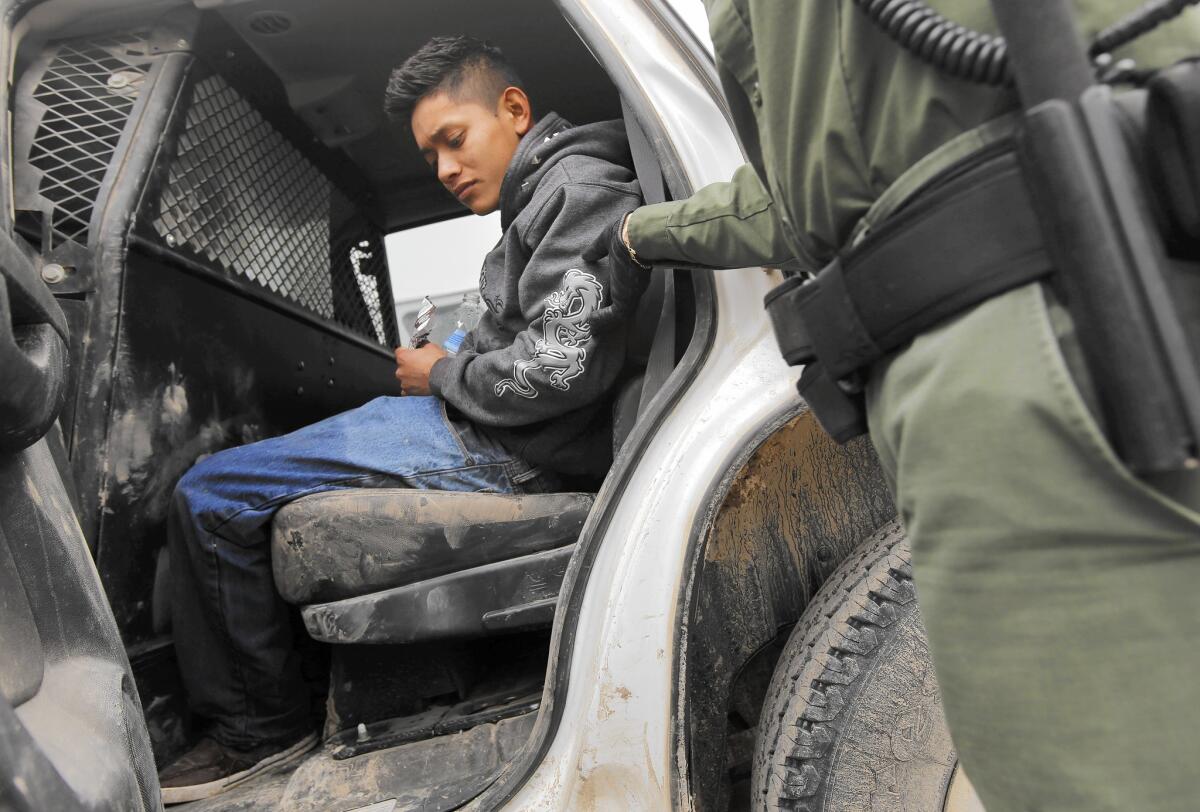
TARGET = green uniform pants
(1061,594)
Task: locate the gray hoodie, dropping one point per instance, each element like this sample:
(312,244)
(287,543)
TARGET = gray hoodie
(538,372)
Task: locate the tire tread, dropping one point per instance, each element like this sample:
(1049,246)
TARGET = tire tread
(828,652)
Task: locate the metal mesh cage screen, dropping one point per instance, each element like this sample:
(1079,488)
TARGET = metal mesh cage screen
(88,91)
(243,197)
(360,257)
(240,195)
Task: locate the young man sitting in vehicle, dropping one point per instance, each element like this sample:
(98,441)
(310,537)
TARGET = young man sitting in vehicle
(526,399)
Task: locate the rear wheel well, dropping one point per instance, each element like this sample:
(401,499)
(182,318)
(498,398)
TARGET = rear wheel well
(790,508)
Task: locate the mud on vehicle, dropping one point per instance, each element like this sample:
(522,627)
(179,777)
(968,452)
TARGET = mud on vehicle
(193,258)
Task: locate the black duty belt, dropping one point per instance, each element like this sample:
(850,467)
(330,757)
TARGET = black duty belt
(970,235)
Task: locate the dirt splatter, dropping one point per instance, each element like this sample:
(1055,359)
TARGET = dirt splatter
(133,435)
(611,695)
(616,787)
(174,399)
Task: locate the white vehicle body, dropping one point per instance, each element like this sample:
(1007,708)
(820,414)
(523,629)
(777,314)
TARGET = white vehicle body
(725,509)
(614,747)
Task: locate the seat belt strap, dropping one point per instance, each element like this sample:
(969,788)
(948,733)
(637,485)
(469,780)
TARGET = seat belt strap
(661,361)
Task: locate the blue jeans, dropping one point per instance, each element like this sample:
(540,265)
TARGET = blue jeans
(232,631)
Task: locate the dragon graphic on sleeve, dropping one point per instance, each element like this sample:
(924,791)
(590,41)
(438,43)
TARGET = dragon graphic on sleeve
(566,327)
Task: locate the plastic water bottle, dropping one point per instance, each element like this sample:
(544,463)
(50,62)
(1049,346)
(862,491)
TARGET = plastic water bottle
(465,318)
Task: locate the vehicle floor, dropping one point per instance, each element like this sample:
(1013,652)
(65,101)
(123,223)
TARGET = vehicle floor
(431,775)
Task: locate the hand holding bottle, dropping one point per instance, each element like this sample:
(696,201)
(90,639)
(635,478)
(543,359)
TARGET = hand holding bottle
(413,368)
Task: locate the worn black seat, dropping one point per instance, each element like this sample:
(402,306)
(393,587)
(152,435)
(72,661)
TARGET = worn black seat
(347,543)
(397,566)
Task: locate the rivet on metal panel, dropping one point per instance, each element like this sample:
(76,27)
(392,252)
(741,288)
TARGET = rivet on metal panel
(331,360)
(125,83)
(329,382)
(299,390)
(300,366)
(53,273)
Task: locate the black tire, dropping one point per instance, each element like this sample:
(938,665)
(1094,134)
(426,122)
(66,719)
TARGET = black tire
(852,719)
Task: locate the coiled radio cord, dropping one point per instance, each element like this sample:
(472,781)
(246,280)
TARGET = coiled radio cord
(982,58)
(1145,19)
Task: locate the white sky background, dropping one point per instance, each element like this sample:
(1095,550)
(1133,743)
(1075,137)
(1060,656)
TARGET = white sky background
(692,12)
(441,258)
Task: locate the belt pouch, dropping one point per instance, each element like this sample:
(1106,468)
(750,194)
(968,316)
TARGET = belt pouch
(842,415)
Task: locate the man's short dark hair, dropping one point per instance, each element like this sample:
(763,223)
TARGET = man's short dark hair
(462,67)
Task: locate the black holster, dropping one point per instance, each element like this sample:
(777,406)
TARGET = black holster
(970,235)
(1069,196)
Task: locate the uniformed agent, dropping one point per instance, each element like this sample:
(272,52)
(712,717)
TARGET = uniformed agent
(1058,590)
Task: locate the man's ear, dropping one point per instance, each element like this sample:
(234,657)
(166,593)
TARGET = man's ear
(514,105)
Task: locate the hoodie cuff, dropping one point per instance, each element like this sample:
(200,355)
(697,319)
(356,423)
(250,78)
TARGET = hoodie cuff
(439,375)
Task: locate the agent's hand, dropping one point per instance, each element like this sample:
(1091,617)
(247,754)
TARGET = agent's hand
(413,366)
(613,242)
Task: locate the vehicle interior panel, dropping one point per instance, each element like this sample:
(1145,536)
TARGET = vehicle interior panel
(18,632)
(73,700)
(225,279)
(334,59)
(203,370)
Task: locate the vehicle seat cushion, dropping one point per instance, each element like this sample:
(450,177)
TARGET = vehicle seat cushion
(344,543)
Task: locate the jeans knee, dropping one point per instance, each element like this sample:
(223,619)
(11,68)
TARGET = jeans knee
(190,485)
(198,488)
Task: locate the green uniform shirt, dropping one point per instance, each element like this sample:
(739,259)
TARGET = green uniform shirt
(1056,588)
(830,112)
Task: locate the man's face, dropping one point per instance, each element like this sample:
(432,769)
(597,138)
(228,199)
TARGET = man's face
(468,145)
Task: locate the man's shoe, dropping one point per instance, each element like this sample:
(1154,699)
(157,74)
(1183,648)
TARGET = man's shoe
(210,768)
